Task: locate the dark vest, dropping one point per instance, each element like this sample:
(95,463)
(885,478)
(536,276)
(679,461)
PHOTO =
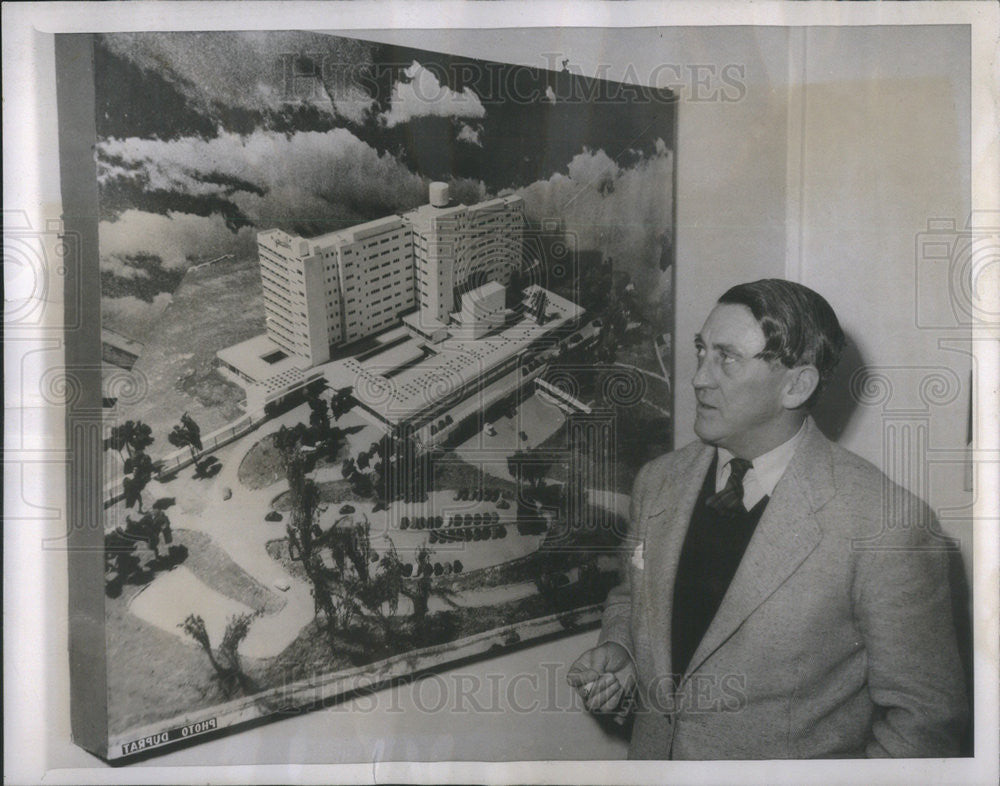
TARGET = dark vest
(713,548)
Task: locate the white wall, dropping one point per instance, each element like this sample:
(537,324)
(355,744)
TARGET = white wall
(886,149)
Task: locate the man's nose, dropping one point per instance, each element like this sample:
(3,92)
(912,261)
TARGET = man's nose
(702,377)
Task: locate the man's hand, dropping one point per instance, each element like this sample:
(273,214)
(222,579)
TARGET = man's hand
(603,676)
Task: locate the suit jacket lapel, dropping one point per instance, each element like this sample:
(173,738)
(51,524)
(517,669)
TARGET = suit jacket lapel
(668,517)
(786,535)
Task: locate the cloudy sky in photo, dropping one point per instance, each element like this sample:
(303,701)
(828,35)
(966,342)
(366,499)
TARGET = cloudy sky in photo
(204,138)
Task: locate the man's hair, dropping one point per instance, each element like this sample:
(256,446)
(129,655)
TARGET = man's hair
(800,328)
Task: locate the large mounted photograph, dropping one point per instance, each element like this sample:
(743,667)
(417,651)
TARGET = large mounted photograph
(386,335)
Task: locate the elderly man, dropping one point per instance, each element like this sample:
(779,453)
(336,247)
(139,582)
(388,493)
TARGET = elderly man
(781,597)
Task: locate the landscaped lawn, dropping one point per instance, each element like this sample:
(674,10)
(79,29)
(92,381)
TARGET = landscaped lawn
(153,674)
(261,466)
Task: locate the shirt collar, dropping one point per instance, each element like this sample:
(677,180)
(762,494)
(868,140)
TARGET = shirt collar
(766,471)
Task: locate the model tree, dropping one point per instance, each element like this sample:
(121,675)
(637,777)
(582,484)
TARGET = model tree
(421,593)
(538,303)
(287,442)
(529,466)
(341,402)
(228,668)
(319,415)
(368,583)
(138,473)
(152,527)
(304,533)
(120,562)
(132,435)
(187,435)
(382,595)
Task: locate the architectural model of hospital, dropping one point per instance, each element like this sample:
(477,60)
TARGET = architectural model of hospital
(404,479)
(428,289)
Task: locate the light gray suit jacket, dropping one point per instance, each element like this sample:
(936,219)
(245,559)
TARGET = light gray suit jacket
(835,638)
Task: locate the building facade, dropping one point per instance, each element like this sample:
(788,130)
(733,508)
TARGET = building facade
(335,288)
(331,290)
(459,248)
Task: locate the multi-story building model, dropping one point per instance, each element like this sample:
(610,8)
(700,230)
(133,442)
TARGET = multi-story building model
(429,288)
(335,289)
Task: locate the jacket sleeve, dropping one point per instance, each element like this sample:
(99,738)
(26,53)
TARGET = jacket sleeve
(616,623)
(903,609)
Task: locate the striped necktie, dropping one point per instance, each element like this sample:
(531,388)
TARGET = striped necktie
(730,499)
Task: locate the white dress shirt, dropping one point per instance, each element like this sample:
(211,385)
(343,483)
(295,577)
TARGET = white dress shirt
(765,471)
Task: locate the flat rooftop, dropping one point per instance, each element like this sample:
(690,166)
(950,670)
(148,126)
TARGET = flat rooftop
(351,234)
(420,217)
(452,365)
(261,359)
(489,288)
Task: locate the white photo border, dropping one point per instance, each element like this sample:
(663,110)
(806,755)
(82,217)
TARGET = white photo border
(34,589)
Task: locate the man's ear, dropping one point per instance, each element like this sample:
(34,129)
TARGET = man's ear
(802,382)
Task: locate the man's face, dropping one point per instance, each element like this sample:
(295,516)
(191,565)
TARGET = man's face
(740,396)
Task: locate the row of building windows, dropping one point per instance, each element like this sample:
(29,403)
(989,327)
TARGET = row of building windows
(269,275)
(280,294)
(275,267)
